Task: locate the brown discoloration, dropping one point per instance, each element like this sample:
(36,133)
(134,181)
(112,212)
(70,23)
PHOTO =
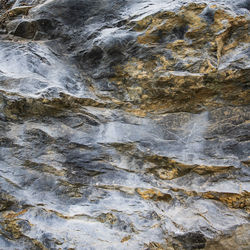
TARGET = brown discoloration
(24,10)
(108,218)
(240,238)
(156,246)
(153,194)
(17,107)
(168,169)
(126,238)
(44,168)
(13,215)
(157,84)
(10,223)
(231,200)
(202,170)
(12,227)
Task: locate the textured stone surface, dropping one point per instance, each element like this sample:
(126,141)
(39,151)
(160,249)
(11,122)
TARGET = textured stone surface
(124,124)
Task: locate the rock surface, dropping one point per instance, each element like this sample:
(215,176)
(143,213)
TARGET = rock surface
(124,124)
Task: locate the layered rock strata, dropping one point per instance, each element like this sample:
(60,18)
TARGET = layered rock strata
(124,124)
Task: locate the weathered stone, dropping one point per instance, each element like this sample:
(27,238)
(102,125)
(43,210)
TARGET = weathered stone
(124,124)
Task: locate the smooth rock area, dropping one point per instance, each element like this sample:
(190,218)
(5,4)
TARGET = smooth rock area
(124,124)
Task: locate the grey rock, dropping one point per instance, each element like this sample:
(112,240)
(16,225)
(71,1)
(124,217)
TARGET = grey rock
(124,124)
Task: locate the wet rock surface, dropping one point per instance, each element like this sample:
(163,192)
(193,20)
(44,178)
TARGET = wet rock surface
(124,124)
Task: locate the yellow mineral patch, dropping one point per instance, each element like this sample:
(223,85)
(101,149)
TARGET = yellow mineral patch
(44,168)
(12,215)
(231,200)
(211,169)
(126,238)
(12,227)
(167,174)
(108,218)
(153,194)
(19,10)
(10,222)
(152,84)
(168,169)
(155,246)
(24,10)
(137,112)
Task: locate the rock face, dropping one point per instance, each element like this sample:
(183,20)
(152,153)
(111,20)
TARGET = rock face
(124,124)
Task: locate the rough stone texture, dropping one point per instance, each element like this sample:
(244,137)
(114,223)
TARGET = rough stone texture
(124,124)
